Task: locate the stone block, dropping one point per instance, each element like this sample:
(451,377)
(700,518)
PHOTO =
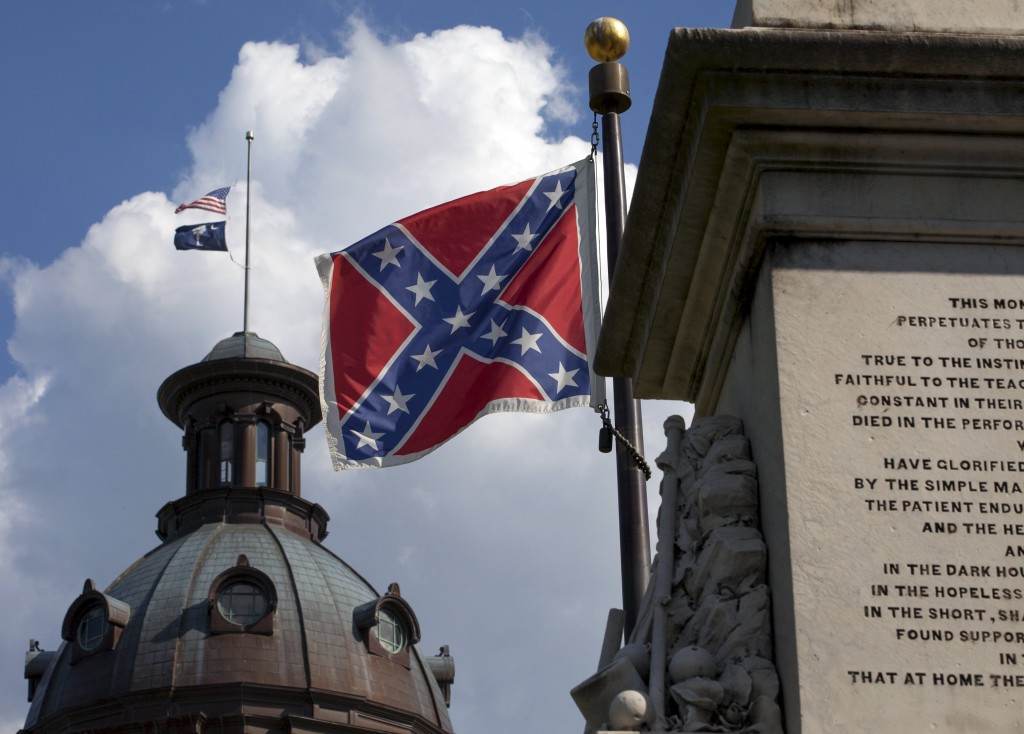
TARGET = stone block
(944,16)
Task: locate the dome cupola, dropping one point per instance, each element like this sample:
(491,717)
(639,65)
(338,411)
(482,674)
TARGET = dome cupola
(244,410)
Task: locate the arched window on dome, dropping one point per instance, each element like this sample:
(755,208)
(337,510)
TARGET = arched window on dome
(226,436)
(242,599)
(94,622)
(388,626)
(262,453)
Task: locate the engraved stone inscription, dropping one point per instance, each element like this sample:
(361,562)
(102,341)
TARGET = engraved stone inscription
(904,391)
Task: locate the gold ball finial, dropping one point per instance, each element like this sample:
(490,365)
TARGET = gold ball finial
(606,39)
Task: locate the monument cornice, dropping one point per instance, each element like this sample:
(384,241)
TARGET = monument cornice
(739,109)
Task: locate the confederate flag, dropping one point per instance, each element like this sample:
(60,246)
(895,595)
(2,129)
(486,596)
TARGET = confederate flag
(484,304)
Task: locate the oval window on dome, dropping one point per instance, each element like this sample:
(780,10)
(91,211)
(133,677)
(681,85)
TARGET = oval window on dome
(242,602)
(92,628)
(389,631)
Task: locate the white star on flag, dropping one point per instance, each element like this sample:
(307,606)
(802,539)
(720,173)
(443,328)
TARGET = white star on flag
(427,358)
(491,281)
(495,333)
(421,289)
(459,320)
(389,255)
(563,377)
(398,401)
(527,342)
(555,196)
(525,240)
(367,437)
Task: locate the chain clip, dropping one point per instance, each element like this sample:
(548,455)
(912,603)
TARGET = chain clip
(604,441)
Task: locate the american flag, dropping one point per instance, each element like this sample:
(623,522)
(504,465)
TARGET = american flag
(215,201)
(484,304)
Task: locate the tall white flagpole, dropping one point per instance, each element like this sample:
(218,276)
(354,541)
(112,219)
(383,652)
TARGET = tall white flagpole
(249,137)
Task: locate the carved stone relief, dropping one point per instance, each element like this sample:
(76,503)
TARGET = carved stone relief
(700,658)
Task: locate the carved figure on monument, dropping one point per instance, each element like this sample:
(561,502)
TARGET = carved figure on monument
(700,658)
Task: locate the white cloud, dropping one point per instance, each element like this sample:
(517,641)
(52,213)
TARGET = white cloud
(509,539)
(18,396)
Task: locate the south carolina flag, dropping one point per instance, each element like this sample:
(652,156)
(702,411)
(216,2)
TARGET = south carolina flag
(485,304)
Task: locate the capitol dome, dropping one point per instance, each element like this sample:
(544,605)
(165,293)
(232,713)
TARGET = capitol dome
(241,620)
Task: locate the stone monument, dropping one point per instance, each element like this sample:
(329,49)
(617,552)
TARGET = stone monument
(826,242)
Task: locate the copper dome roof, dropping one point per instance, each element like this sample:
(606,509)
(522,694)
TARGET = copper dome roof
(315,665)
(244,344)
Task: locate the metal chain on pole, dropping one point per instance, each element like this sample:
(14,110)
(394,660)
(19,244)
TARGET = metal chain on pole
(595,139)
(634,454)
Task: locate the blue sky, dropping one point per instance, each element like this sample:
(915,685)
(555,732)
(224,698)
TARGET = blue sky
(100,95)
(114,112)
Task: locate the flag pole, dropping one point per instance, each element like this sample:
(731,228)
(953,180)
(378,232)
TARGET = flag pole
(607,40)
(249,137)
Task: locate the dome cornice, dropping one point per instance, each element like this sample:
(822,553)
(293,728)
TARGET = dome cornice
(279,380)
(236,506)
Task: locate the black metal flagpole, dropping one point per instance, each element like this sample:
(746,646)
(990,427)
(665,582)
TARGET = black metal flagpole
(607,40)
